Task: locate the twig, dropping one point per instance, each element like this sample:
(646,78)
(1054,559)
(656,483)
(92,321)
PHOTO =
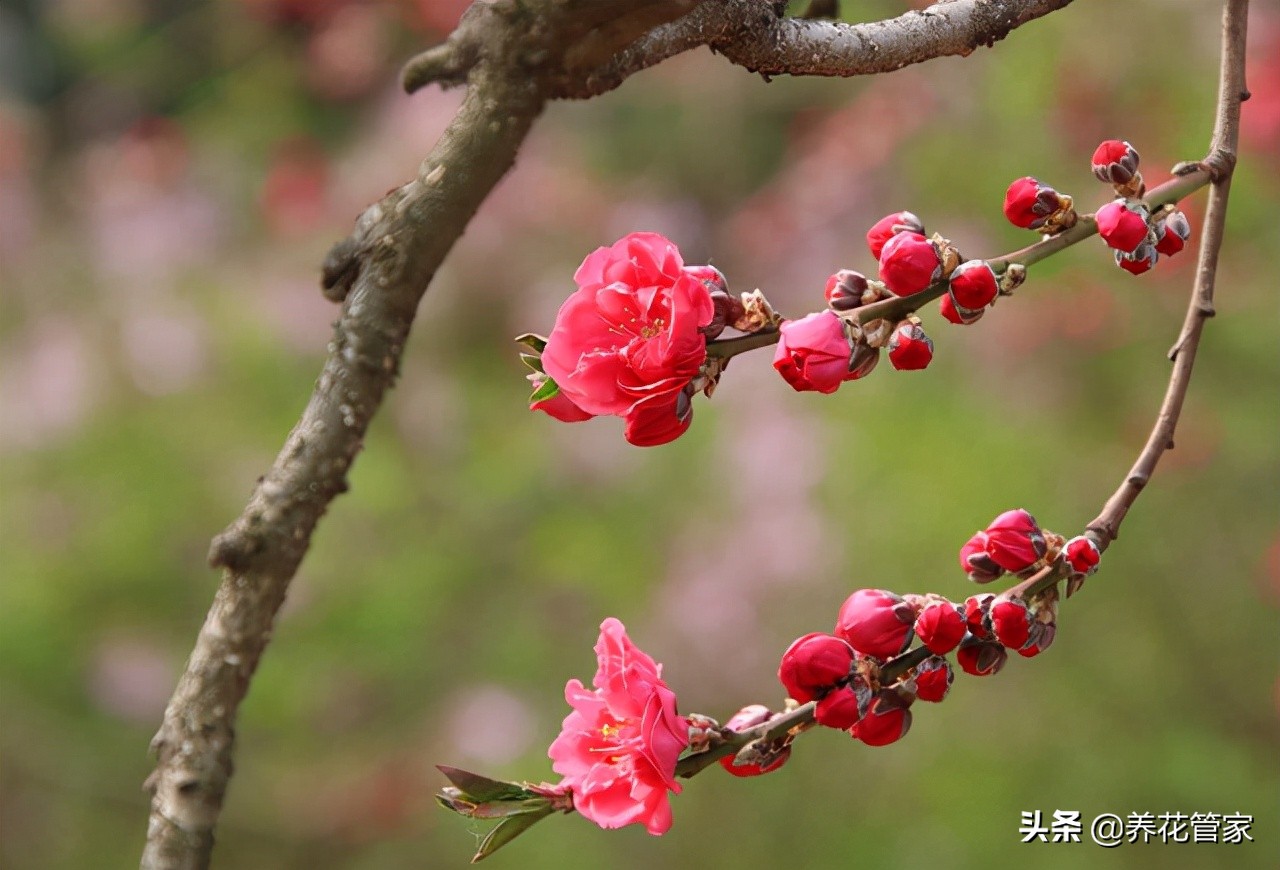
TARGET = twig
(1221,160)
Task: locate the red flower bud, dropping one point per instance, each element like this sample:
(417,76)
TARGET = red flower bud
(876,623)
(1082,554)
(887,721)
(909,347)
(982,658)
(1172,232)
(973,285)
(843,706)
(1141,260)
(909,263)
(889,226)
(956,314)
(1122,224)
(1029,204)
(844,289)
(1115,161)
(933,679)
(772,762)
(1015,542)
(940,626)
(746,718)
(977,610)
(1011,622)
(813,664)
(1041,637)
(814,353)
(975,561)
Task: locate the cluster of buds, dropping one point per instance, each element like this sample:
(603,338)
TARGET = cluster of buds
(887,651)
(1127,225)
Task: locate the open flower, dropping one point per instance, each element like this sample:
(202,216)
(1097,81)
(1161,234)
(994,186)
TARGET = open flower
(617,750)
(628,341)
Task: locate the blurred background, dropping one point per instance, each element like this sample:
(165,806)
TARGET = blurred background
(171,175)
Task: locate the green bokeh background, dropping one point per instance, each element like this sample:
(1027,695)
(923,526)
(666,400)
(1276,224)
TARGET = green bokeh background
(160,331)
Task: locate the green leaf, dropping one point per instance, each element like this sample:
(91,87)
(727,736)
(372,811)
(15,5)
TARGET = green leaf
(478,788)
(533,361)
(506,831)
(533,341)
(549,390)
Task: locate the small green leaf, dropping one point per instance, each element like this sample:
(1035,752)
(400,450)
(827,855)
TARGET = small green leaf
(533,341)
(478,788)
(549,390)
(533,361)
(506,831)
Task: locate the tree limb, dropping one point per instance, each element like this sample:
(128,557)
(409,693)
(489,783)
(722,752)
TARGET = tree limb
(751,35)
(401,242)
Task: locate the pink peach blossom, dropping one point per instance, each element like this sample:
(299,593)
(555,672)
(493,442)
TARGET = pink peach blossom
(617,750)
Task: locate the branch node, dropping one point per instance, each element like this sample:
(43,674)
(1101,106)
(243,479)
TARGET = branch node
(340,269)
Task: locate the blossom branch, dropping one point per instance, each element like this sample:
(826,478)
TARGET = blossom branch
(1220,162)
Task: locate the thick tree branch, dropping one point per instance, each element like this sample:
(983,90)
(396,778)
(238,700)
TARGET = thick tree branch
(750,34)
(399,244)
(1221,161)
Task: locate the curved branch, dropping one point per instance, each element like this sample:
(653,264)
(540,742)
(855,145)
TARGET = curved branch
(751,35)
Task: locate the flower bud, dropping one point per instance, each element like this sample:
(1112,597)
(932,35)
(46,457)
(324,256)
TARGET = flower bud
(1015,541)
(814,353)
(1115,161)
(1141,260)
(1082,555)
(876,623)
(956,314)
(1123,224)
(765,762)
(940,626)
(1039,640)
(844,289)
(1011,622)
(975,561)
(843,706)
(1032,205)
(909,347)
(973,285)
(887,720)
(982,658)
(889,226)
(977,609)
(759,761)
(1172,233)
(813,664)
(909,263)
(749,717)
(933,679)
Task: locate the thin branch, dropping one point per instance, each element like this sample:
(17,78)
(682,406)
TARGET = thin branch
(750,34)
(1221,160)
